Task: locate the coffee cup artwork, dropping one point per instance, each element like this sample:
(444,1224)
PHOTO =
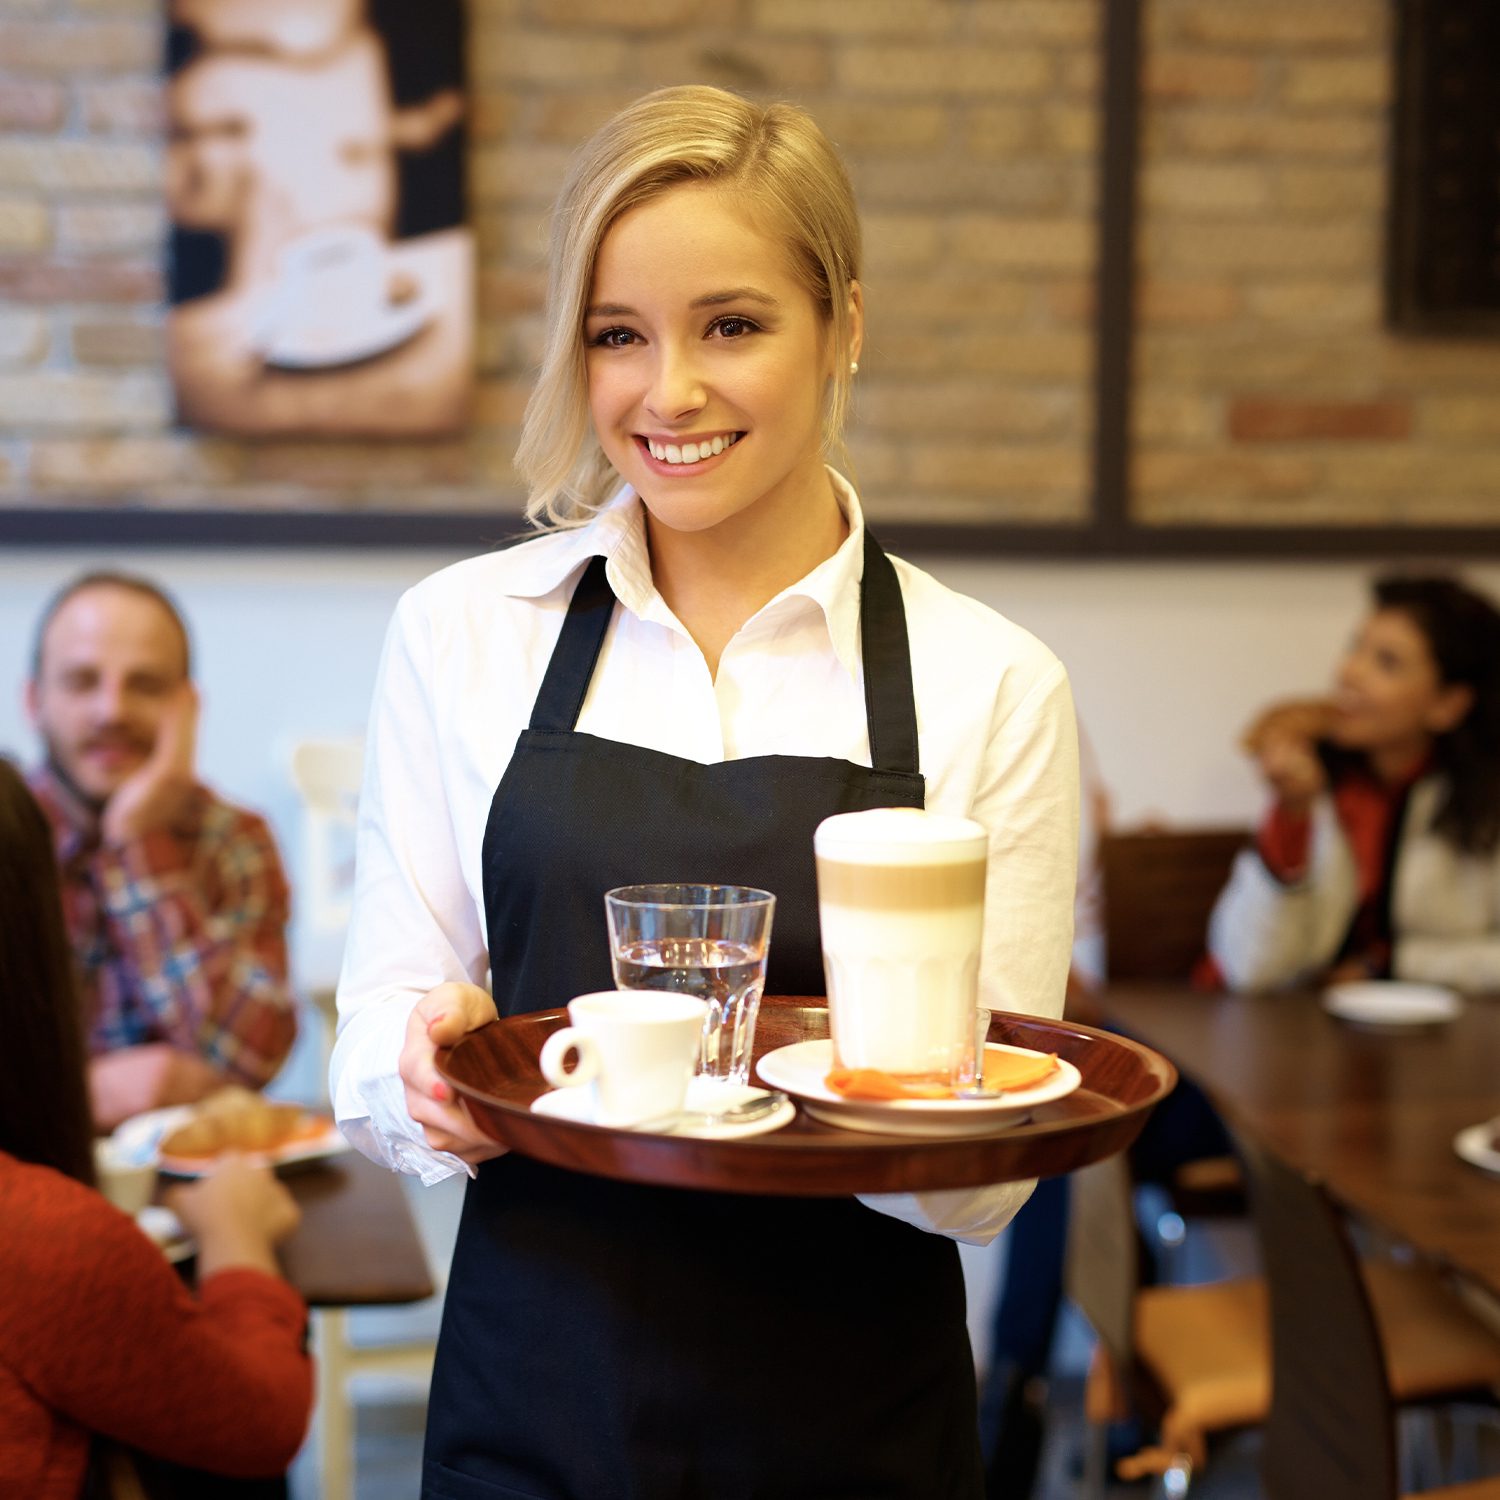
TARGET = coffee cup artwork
(901,907)
(635,1051)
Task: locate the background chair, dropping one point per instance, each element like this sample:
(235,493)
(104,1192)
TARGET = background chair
(1335,1380)
(1191,1362)
(1197,1361)
(352,1346)
(1158,887)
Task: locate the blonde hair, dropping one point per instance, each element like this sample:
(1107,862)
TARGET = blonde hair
(782,166)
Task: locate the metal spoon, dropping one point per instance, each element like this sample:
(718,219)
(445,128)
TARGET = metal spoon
(736,1114)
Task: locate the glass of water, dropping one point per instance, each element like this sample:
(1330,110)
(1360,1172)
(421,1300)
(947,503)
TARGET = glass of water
(708,941)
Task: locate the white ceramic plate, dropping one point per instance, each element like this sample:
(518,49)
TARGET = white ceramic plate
(164,1229)
(801,1069)
(141,1138)
(292,348)
(1391,1004)
(1476,1146)
(576,1104)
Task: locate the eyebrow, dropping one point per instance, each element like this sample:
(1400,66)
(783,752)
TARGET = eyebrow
(710,299)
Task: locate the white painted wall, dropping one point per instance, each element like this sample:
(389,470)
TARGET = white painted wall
(1167,659)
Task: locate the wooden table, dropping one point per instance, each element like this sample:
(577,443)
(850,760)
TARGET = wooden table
(357,1244)
(1371,1114)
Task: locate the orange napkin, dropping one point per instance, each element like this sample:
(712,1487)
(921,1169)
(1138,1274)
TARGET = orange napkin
(1002,1070)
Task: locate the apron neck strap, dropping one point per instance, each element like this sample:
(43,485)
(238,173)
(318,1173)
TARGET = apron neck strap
(890,705)
(559,701)
(890,702)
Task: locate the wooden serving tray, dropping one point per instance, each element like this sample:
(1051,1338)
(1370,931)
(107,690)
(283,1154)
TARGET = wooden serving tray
(495,1069)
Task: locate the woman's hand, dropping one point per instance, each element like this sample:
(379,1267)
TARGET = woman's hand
(1292,770)
(238,1215)
(439,1019)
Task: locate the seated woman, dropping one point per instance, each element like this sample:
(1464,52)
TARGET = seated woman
(1380,855)
(98,1336)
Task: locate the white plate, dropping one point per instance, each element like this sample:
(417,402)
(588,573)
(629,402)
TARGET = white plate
(576,1104)
(141,1137)
(802,1068)
(1475,1146)
(322,349)
(1391,1004)
(164,1229)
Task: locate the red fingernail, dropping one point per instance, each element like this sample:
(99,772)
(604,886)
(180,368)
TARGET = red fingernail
(440,1092)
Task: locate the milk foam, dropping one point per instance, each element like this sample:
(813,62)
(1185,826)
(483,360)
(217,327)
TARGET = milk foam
(900,836)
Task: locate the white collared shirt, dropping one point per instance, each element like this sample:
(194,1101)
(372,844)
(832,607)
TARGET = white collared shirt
(463,660)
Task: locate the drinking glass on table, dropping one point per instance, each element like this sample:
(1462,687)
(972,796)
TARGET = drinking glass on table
(709,941)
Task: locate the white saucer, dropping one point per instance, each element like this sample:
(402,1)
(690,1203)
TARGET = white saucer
(294,348)
(577,1104)
(164,1229)
(1474,1146)
(801,1069)
(1390,1004)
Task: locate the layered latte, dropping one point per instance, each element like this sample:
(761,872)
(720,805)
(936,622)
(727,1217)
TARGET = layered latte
(901,905)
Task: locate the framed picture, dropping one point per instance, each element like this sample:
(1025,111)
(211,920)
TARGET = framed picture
(320,270)
(1444,260)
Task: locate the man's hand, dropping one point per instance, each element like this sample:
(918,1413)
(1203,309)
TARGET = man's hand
(155,795)
(439,1019)
(134,1079)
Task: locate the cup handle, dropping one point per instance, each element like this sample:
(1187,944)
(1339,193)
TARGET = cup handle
(556,1048)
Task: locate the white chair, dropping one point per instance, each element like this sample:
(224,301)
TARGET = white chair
(326,774)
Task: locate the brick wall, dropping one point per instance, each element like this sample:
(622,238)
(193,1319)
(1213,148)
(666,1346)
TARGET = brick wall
(969,129)
(1268,389)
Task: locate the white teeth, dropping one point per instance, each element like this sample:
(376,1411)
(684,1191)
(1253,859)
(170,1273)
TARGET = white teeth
(690,453)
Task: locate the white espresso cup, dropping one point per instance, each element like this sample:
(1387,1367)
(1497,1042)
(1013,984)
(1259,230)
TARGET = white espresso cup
(636,1049)
(901,906)
(330,281)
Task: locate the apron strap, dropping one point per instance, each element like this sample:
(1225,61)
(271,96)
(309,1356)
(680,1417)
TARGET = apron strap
(559,700)
(890,702)
(890,705)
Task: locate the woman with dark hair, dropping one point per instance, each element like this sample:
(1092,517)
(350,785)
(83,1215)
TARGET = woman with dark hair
(98,1335)
(1380,856)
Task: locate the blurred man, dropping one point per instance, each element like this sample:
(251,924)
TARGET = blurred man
(176,901)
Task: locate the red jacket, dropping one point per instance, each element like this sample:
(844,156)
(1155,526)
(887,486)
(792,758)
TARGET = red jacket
(99,1335)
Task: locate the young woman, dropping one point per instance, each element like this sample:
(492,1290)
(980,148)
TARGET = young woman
(706,655)
(98,1335)
(1380,855)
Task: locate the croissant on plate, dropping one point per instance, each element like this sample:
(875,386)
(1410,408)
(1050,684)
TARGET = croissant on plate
(237,1119)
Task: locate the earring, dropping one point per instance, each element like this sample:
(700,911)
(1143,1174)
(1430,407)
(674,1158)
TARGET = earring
(854,367)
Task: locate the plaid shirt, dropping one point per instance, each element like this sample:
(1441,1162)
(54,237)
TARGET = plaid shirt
(178,936)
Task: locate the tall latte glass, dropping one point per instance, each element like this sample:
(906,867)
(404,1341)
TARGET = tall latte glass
(901,905)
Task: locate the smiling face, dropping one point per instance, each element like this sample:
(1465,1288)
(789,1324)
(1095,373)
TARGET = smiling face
(1389,696)
(111,659)
(708,363)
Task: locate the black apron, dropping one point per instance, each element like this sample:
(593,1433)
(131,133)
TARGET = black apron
(611,1341)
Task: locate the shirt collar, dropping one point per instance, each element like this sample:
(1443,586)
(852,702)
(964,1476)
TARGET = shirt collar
(617,532)
(834,585)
